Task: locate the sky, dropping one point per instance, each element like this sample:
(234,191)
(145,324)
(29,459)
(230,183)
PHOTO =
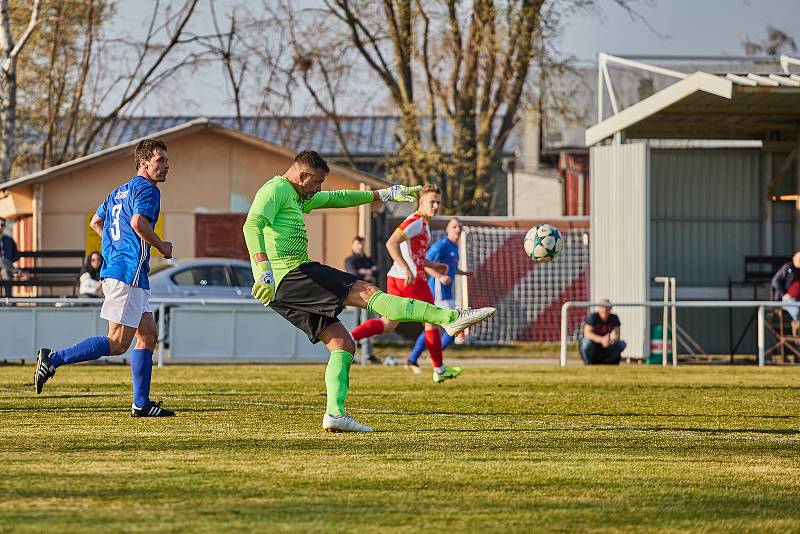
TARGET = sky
(679,27)
(691,27)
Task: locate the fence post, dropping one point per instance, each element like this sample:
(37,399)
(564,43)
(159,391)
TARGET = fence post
(161,336)
(564,326)
(674,324)
(761,336)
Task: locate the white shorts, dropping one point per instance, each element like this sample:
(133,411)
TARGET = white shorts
(124,304)
(450,304)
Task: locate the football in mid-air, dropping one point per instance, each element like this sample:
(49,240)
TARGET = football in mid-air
(543,242)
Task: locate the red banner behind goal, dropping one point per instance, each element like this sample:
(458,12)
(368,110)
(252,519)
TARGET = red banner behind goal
(528,295)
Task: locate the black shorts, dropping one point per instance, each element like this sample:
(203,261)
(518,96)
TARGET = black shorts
(311,296)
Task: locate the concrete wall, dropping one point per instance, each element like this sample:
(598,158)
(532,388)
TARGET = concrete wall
(620,222)
(536,195)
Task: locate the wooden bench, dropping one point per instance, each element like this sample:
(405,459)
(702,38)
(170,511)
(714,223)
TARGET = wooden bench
(48,277)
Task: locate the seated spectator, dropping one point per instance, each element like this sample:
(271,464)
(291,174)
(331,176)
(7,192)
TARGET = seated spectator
(91,287)
(601,343)
(8,255)
(786,287)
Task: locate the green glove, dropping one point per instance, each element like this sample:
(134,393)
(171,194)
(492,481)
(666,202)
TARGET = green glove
(399,193)
(264,286)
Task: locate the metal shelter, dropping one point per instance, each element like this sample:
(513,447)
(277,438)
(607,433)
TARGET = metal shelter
(688,181)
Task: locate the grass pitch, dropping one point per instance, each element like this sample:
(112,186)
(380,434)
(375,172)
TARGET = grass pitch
(499,449)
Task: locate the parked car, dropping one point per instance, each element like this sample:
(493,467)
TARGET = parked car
(202,278)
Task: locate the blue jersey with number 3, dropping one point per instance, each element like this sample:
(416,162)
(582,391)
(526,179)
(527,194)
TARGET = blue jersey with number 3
(126,255)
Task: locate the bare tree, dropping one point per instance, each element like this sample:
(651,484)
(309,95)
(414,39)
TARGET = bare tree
(776,43)
(473,63)
(459,74)
(9,53)
(235,65)
(145,75)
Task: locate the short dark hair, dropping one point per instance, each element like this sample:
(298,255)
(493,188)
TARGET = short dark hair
(312,159)
(145,150)
(358,238)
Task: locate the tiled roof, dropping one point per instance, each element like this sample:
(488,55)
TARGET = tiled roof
(365,135)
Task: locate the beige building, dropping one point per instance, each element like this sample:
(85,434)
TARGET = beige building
(214,174)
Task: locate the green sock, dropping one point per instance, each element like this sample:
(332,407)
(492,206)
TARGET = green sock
(337,380)
(405,310)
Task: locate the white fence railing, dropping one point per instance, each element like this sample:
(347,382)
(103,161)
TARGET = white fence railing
(760,305)
(194,328)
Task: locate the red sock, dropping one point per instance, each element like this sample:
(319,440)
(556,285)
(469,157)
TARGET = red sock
(369,328)
(433,341)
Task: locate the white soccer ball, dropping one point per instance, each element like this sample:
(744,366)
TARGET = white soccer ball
(543,243)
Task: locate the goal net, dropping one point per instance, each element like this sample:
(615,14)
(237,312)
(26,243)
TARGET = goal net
(528,295)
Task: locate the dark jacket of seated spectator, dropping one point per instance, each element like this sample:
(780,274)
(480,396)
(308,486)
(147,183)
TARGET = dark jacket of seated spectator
(787,275)
(8,255)
(601,343)
(8,247)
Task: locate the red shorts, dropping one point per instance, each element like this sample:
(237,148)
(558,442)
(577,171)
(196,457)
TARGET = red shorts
(419,290)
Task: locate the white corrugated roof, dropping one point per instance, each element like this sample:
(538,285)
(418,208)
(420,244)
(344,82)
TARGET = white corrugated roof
(711,106)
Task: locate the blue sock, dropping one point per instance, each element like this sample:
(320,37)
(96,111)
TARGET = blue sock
(447,340)
(141,370)
(419,346)
(90,348)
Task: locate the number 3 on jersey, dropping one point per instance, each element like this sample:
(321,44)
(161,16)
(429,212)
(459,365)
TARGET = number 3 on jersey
(115,233)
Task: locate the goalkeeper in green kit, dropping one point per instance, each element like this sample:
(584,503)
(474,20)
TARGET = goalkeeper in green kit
(311,295)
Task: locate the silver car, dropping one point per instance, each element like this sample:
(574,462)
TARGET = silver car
(202,278)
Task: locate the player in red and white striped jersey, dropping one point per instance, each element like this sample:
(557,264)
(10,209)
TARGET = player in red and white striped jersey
(407,278)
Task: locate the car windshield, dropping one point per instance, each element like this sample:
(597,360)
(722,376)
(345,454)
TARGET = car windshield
(160,267)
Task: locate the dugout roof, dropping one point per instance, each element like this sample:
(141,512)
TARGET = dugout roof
(711,106)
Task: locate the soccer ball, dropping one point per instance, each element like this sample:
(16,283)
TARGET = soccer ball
(543,243)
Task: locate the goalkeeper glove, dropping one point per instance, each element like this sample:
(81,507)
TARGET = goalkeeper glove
(399,193)
(264,286)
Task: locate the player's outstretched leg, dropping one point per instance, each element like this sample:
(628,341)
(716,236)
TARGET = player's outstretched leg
(337,380)
(404,310)
(47,362)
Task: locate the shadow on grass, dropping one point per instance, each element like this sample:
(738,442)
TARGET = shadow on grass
(783,432)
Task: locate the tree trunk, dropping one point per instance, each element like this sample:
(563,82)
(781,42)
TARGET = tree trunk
(8,116)
(8,84)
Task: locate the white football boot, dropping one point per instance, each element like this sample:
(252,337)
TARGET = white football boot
(344,423)
(468,317)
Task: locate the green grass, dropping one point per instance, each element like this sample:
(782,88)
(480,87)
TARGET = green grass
(501,449)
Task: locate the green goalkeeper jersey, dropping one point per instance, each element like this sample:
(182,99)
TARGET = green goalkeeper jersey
(276,223)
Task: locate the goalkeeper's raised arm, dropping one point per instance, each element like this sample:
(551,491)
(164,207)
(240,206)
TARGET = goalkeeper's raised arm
(344,198)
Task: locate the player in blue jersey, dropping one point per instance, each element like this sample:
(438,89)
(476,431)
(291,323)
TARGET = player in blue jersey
(443,251)
(125,222)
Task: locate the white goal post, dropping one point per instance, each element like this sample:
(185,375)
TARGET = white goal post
(760,305)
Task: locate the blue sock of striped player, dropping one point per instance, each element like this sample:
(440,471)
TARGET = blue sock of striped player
(419,346)
(141,370)
(447,340)
(90,348)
